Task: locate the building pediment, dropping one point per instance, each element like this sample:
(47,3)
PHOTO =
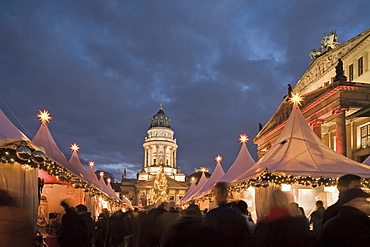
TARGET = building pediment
(326,63)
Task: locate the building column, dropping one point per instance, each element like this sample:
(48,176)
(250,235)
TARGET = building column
(316,126)
(340,124)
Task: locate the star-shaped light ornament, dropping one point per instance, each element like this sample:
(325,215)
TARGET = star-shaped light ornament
(91,164)
(218,158)
(75,147)
(44,116)
(296,99)
(243,139)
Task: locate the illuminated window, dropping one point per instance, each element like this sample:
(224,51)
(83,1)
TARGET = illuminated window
(360,66)
(365,136)
(350,72)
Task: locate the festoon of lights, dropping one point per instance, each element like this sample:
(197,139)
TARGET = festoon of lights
(278,178)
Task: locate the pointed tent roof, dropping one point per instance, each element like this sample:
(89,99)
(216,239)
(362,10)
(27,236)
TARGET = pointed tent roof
(189,191)
(44,139)
(242,163)
(96,181)
(202,181)
(76,163)
(299,151)
(9,133)
(215,177)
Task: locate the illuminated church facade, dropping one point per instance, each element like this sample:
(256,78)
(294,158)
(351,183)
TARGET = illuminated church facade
(336,98)
(160,149)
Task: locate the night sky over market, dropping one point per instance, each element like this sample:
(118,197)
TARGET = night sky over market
(101,68)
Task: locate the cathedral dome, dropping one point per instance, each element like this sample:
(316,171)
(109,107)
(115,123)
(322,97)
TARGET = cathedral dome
(160,120)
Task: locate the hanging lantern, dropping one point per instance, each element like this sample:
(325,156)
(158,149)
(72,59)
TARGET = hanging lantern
(23,153)
(38,157)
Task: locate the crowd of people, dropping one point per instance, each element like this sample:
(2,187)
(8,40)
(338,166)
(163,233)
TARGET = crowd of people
(345,223)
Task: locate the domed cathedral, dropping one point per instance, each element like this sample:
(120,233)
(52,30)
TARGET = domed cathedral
(160,150)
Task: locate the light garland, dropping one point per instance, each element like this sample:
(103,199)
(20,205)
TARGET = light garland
(29,159)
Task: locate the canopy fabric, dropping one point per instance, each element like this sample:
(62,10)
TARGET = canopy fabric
(189,191)
(215,177)
(202,181)
(242,163)
(44,139)
(9,133)
(299,151)
(95,180)
(75,161)
(48,179)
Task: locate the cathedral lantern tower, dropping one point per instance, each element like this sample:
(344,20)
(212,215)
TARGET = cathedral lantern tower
(160,149)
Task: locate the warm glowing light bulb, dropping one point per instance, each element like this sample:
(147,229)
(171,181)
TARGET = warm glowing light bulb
(108,180)
(91,163)
(296,99)
(74,147)
(101,174)
(44,116)
(243,138)
(192,179)
(218,158)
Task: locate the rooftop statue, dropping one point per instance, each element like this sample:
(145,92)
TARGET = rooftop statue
(327,43)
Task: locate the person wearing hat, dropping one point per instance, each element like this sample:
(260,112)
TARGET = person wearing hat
(351,227)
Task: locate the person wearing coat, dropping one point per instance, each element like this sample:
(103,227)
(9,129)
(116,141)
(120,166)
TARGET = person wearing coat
(351,227)
(73,231)
(281,227)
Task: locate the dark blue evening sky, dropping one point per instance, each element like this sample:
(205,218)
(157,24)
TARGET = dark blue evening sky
(102,67)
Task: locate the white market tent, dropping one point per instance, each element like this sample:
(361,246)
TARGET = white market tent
(202,181)
(242,163)
(18,182)
(190,190)
(213,179)
(299,152)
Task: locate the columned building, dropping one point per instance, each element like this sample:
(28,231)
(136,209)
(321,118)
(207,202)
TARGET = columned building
(160,150)
(336,98)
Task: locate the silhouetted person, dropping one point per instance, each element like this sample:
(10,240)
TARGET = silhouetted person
(15,224)
(345,182)
(224,225)
(351,227)
(81,210)
(316,218)
(73,231)
(187,231)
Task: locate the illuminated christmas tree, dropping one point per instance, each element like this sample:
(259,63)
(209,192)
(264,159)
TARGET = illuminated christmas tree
(159,190)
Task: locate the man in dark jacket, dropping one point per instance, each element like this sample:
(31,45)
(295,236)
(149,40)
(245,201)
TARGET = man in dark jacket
(225,226)
(351,227)
(81,210)
(73,231)
(345,182)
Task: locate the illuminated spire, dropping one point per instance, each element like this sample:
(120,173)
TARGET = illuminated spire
(44,116)
(91,164)
(75,147)
(243,139)
(161,105)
